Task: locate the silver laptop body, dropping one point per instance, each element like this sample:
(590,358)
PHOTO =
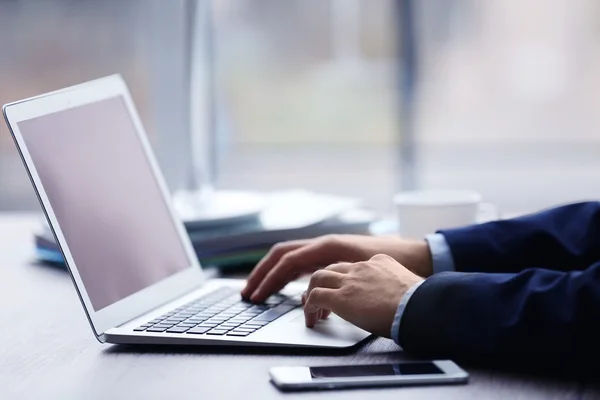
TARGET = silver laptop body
(130,258)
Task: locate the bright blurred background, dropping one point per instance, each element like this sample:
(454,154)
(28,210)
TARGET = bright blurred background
(352,97)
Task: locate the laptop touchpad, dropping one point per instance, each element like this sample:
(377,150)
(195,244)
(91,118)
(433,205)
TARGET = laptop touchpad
(332,319)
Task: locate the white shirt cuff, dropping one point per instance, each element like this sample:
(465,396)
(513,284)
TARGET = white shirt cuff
(440,253)
(400,311)
(442,262)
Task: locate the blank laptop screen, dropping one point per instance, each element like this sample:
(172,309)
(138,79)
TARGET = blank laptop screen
(108,204)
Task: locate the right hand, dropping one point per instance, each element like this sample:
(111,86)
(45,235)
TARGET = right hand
(288,261)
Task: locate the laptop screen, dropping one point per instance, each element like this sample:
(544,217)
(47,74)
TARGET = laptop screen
(106,199)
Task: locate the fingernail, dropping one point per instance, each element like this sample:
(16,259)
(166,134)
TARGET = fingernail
(255,297)
(311,320)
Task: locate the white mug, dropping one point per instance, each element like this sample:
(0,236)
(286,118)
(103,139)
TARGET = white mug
(420,213)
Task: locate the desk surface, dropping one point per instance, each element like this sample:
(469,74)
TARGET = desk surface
(48,351)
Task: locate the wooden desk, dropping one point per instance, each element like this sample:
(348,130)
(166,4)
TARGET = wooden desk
(48,351)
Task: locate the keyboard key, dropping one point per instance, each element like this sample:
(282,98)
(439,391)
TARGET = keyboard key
(243,329)
(258,308)
(196,320)
(217,332)
(172,321)
(228,314)
(229,323)
(218,324)
(181,318)
(238,333)
(274,313)
(178,329)
(209,326)
(251,326)
(199,330)
(258,322)
(213,322)
(186,325)
(239,316)
(192,322)
(218,318)
(227,327)
(157,329)
(161,325)
(249,315)
(293,302)
(221,310)
(239,319)
(274,300)
(241,306)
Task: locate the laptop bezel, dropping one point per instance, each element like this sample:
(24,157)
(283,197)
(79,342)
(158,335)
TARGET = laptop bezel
(150,297)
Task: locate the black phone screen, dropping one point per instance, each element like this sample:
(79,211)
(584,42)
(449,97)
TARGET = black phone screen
(348,371)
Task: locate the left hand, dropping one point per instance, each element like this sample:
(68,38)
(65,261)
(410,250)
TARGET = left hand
(366,294)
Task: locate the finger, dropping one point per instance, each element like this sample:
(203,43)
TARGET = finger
(341,267)
(381,258)
(318,299)
(268,262)
(325,279)
(326,313)
(300,261)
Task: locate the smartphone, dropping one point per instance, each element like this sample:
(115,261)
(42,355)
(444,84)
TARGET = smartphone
(438,372)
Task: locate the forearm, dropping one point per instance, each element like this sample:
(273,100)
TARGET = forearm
(545,320)
(563,238)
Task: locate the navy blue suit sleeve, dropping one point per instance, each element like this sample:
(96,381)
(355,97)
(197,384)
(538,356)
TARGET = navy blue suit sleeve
(542,320)
(563,238)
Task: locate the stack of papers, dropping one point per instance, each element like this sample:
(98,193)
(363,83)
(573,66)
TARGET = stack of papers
(288,215)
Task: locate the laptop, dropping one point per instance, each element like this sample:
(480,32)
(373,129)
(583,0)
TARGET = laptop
(128,253)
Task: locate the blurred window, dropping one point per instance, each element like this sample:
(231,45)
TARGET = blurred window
(308,96)
(307,93)
(50,44)
(509,99)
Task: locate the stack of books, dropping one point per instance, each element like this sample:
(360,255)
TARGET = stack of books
(287,216)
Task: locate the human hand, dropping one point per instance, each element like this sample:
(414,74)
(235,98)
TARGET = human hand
(287,261)
(366,293)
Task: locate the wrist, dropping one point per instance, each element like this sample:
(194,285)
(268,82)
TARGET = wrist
(421,261)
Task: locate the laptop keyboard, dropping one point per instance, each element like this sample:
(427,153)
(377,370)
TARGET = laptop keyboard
(221,312)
